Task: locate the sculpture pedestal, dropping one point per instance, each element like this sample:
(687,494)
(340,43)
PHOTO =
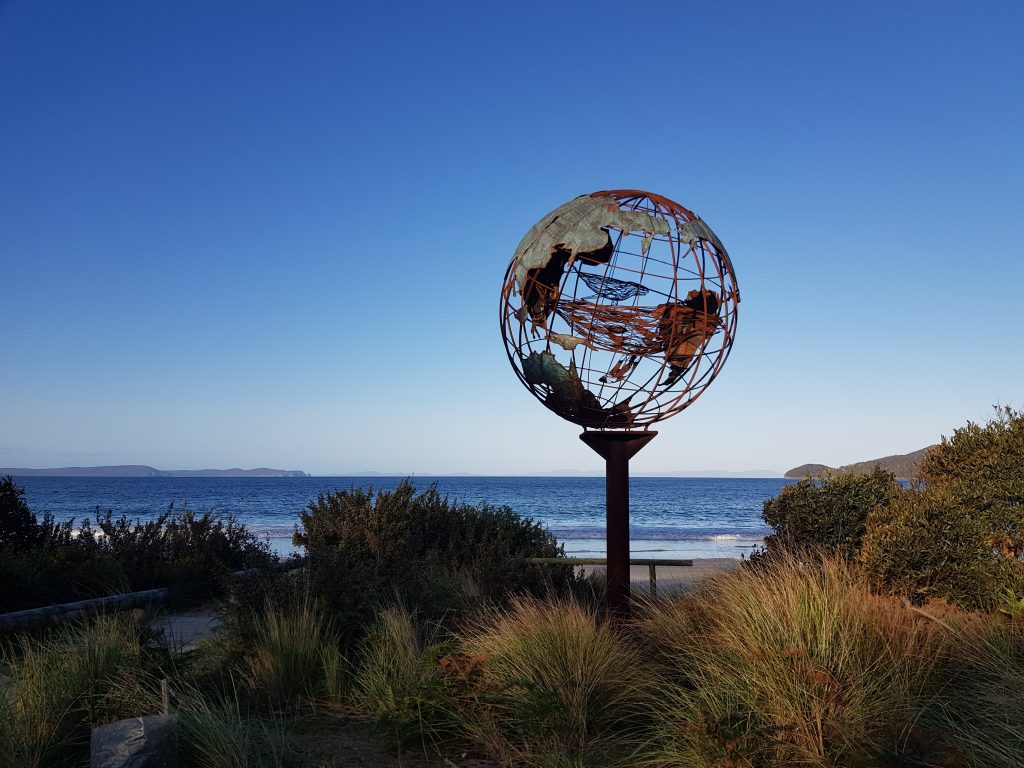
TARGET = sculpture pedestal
(617,448)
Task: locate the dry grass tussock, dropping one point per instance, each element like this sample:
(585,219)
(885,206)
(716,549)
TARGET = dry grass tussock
(218,733)
(785,664)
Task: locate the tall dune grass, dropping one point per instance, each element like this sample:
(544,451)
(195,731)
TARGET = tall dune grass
(553,685)
(790,665)
(981,706)
(8,745)
(217,733)
(58,686)
(295,655)
(400,684)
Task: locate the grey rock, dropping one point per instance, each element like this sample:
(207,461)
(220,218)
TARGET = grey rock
(140,742)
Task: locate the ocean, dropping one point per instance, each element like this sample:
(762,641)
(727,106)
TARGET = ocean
(670,517)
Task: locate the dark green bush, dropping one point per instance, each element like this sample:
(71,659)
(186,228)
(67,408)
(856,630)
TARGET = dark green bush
(18,526)
(44,562)
(44,576)
(20,529)
(982,468)
(827,515)
(370,548)
(926,544)
(959,535)
(192,554)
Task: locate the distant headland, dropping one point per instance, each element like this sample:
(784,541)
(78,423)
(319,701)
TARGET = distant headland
(141,470)
(903,465)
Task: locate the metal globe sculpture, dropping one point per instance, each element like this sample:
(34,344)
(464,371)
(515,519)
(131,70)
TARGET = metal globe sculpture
(618,309)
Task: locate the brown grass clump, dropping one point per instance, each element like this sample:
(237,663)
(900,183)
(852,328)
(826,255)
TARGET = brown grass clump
(790,664)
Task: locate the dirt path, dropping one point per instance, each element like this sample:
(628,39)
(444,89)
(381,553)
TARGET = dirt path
(183,631)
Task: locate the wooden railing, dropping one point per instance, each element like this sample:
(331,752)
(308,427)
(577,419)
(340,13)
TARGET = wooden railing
(652,565)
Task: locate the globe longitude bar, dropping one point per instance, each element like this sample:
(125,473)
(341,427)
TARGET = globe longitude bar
(618,309)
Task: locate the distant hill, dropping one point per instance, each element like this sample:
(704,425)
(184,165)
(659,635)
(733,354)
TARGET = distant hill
(903,465)
(699,473)
(141,470)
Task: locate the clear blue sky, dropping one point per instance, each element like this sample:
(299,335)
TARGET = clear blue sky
(273,234)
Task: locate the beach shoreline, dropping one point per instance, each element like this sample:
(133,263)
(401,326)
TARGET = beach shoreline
(673,578)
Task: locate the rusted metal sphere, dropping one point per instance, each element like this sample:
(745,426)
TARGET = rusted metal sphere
(618,309)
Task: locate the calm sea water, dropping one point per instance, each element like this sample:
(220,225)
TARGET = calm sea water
(669,516)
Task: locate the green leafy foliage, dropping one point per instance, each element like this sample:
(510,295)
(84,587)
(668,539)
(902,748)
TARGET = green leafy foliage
(1011,604)
(18,526)
(20,529)
(828,515)
(926,544)
(982,468)
(958,535)
(961,535)
(368,549)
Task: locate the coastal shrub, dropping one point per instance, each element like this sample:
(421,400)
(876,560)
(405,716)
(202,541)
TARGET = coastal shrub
(21,529)
(926,543)
(790,665)
(552,685)
(190,553)
(45,562)
(45,576)
(368,549)
(981,467)
(961,535)
(828,515)
(958,535)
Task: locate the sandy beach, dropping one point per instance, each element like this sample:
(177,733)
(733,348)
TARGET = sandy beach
(673,578)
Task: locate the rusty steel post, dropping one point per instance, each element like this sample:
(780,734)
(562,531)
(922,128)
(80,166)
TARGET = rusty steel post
(617,448)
